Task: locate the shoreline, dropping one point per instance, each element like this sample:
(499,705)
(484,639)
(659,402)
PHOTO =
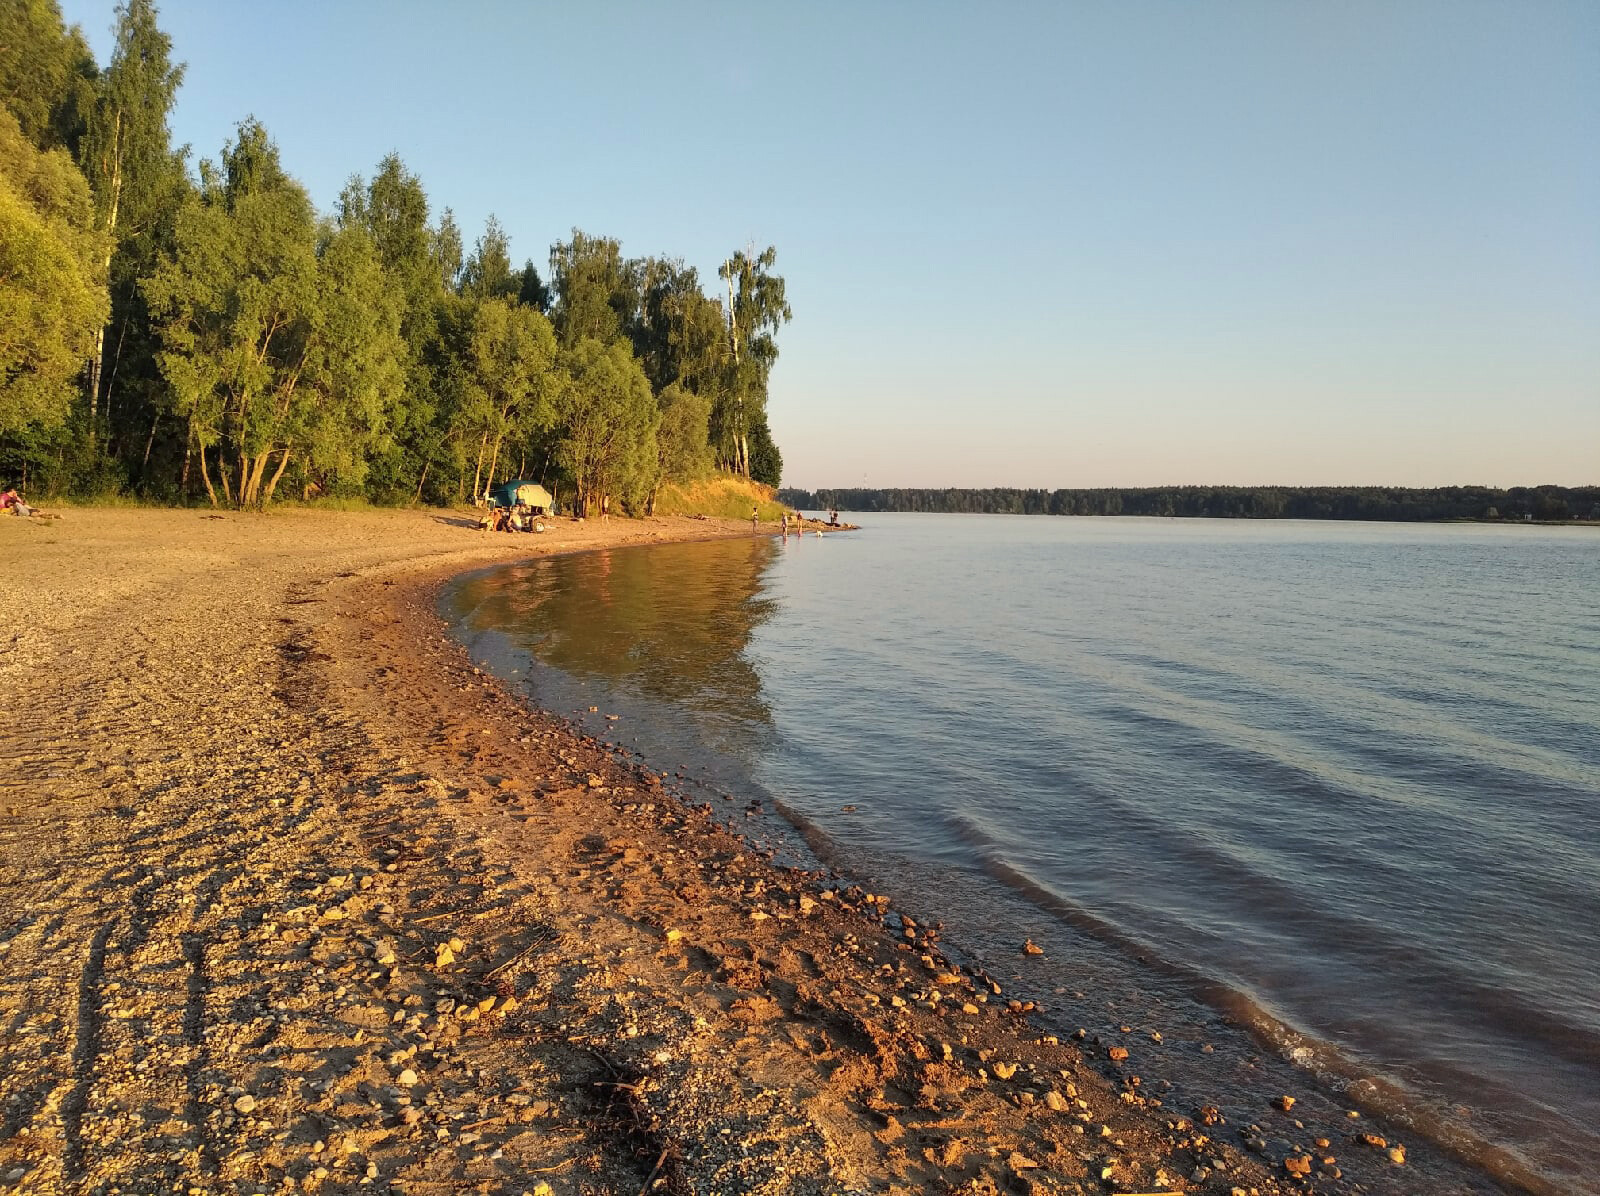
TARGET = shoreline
(295,898)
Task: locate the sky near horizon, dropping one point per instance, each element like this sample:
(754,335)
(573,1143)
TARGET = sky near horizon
(1026,244)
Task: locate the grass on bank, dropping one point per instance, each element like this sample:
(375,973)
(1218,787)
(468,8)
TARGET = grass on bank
(722,496)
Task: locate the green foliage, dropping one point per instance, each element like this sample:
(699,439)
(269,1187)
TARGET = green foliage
(678,333)
(757,308)
(47,74)
(139,185)
(125,151)
(52,294)
(511,389)
(211,338)
(766,462)
(683,452)
(594,296)
(488,273)
(280,345)
(609,424)
(448,251)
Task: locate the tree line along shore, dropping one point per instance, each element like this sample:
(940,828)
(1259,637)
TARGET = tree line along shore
(205,335)
(1546,504)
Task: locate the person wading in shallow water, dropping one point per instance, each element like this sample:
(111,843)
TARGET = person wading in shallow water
(755,517)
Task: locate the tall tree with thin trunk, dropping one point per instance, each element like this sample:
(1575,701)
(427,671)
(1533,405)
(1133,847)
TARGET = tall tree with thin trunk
(757,308)
(127,156)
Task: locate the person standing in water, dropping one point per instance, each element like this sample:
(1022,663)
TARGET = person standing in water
(755,517)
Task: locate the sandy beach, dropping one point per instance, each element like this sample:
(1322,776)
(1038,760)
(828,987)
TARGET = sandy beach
(294,898)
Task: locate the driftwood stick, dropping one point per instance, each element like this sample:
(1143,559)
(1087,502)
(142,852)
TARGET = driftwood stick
(654,1171)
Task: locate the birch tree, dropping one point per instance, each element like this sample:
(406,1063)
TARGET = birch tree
(511,393)
(280,345)
(756,309)
(136,177)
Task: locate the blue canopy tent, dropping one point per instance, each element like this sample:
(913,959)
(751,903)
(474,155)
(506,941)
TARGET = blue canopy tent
(530,494)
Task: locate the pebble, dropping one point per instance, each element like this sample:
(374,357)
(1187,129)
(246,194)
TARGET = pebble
(407,1078)
(245,1104)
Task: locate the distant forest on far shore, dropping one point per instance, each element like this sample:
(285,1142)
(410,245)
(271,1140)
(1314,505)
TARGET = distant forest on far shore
(1390,503)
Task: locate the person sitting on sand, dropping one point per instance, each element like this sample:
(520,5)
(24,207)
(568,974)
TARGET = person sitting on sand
(11,502)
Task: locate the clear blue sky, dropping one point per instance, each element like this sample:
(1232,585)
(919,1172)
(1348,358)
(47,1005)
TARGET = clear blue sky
(1054,244)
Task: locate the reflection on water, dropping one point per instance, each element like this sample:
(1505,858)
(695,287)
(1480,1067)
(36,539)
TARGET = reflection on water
(632,628)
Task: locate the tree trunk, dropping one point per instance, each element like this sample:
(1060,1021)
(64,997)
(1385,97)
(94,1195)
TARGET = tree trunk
(94,383)
(205,476)
(494,460)
(477,474)
(111,378)
(250,479)
(111,248)
(422,481)
(222,472)
(144,466)
(272,484)
(188,451)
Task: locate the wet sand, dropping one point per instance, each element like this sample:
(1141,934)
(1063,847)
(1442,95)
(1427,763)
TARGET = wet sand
(294,898)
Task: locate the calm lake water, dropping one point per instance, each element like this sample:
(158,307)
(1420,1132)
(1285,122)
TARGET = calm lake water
(1337,784)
